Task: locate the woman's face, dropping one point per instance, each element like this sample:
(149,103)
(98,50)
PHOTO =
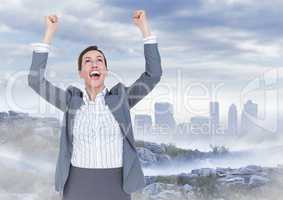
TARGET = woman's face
(93,69)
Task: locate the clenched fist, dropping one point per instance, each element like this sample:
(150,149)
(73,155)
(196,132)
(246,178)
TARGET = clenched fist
(140,20)
(51,22)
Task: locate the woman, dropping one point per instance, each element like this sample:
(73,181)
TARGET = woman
(97,158)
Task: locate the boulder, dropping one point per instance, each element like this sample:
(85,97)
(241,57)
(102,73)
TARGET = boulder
(155,148)
(146,156)
(204,172)
(162,191)
(233,181)
(249,170)
(257,181)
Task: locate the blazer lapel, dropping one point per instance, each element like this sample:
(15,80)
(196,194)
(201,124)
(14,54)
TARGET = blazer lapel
(74,105)
(112,101)
(115,103)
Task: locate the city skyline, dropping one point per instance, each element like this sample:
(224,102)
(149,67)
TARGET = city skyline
(164,119)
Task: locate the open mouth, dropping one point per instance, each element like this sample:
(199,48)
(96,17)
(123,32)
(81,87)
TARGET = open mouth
(94,75)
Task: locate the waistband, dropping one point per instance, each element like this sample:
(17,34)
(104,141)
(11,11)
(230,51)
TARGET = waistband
(97,169)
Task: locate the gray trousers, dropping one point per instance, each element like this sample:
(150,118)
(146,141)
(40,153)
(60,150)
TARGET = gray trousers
(95,184)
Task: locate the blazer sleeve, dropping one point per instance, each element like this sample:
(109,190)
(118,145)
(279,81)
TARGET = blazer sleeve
(37,81)
(149,78)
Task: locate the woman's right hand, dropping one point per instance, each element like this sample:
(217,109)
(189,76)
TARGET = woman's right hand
(51,23)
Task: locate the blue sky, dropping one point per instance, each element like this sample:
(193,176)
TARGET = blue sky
(220,44)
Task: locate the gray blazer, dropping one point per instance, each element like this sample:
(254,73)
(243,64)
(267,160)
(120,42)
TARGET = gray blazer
(120,99)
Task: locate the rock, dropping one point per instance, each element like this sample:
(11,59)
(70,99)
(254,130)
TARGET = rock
(162,191)
(187,175)
(155,148)
(146,156)
(232,181)
(163,158)
(204,172)
(149,180)
(149,157)
(221,172)
(185,178)
(187,188)
(3,115)
(257,181)
(249,170)
(17,114)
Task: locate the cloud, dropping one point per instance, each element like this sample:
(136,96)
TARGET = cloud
(215,40)
(214,28)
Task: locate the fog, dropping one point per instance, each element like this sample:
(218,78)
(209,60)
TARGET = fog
(263,149)
(28,157)
(270,157)
(203,142)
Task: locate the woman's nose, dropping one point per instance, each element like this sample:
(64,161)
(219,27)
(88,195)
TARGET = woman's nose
(94,66)
(95,63)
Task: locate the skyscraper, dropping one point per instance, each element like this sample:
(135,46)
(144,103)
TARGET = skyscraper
(142,123)
(199,125)
(250,111)
(214,117)
(163,114)
(233,120)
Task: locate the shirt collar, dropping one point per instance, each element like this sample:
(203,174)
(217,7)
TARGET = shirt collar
(99,95)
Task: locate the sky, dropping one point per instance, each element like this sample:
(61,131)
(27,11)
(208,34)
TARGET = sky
(210,50)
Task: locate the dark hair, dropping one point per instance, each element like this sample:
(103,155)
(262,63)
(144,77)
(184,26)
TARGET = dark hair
(90,48)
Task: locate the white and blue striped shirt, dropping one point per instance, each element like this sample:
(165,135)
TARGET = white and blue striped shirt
(97,138)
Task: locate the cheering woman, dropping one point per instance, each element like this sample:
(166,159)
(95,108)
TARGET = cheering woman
(97,157)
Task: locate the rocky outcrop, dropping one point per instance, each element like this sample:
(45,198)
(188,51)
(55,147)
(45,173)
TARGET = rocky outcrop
(152,154)
(18,128)
(208,183)
(11,118)
(164,191)
(250,176)
(12,114)
(148,157)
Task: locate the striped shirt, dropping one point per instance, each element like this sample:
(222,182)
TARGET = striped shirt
(97,138)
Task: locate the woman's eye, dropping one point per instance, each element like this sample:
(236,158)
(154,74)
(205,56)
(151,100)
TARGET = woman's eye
(87,61)
(100,60)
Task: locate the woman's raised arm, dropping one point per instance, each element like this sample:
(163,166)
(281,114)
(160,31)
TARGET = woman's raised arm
(153,71)
(36,78)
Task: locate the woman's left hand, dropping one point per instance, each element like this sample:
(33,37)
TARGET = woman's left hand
(140,20)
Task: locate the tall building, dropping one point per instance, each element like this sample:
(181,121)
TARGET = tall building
(142,123)
(233,120)
(214,117)
(250,110)
(163,114)
(199,125)
(183,128)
